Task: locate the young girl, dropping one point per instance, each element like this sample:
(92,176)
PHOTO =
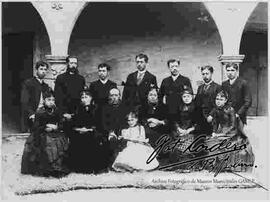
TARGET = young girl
(45,149)
(223,116)
(84,139)
(137,151)
(226,125)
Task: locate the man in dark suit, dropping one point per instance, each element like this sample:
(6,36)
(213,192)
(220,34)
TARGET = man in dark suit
(139,83)
(101,87)
(172,87)
(68,87)
(32,95)
(112,122)
(239,92)
(206,95)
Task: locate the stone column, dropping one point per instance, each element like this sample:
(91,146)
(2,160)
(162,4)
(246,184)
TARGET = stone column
(59,19)
(230,18)
(57,66)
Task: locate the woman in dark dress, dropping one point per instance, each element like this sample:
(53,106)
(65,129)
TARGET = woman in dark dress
(227,126)
(186,127)
(86,147)
(46,148)
(153,116)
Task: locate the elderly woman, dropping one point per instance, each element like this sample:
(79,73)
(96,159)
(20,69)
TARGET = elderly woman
(153,116)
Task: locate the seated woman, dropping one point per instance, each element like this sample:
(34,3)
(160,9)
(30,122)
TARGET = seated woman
(227,126)
(137,151)
(46,147)
(186,127)
(85,141)
(153,116)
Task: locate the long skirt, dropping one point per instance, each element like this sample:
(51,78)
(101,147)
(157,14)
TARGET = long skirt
(45,154)
(87,153)
(134,157)
(241,160)
(178,155)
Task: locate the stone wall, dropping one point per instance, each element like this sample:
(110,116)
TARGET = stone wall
(160,30)
(120,54)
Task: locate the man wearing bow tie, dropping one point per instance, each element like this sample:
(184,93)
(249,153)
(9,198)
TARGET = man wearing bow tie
(31,95)
(138,83)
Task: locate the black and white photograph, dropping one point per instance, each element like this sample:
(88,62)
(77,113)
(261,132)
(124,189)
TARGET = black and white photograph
(166,100)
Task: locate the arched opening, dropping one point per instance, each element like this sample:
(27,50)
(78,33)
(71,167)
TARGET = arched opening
(255,65)
(116,32)
(25,41)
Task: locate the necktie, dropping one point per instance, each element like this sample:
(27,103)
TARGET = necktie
(43,86)
(139,78)
(205,88)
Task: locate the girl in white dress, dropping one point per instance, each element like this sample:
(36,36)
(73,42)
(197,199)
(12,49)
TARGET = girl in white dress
(134,156)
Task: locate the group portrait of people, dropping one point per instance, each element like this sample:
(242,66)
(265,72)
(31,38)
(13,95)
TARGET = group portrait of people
(96,128)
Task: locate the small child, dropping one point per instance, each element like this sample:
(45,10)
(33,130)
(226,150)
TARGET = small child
(137,151)
(45,149)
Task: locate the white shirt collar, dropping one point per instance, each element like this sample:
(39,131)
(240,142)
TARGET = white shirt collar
(232,81)
(175,77)
(208,83)
(39,80)
(104,81)
(141,72)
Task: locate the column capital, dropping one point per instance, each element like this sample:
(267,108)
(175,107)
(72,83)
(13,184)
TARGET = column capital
(56,58)
(57,67)
(225,59)
(231,58)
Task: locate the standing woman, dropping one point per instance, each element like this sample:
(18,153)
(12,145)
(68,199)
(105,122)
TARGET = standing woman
(45,149)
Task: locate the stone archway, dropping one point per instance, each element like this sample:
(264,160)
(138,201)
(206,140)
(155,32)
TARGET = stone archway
(25,41)
(59,18)
(232,25)
(230,18)
(161,30)
(254,67)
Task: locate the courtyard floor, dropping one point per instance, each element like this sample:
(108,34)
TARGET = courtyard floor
(17,186)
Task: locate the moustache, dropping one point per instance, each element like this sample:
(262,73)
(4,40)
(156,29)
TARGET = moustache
(72,69)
